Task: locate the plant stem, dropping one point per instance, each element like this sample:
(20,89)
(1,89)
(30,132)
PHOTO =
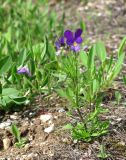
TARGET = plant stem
(77,93)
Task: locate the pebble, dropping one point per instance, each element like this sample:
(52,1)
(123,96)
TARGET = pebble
(27,147)
(75,141)
(61,110)
(46,117)
(6,143)
(49,129)
(13,117)
(32,114)
(6,124)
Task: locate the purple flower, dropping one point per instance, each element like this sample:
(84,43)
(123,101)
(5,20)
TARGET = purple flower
(60,43)
(73,39)
(24,70)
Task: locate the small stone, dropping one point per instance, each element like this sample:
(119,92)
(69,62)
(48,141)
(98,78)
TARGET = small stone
(67,141)
(6,143)
(32,114)
(31,137)
(27,147)
(16,113)
(55,117)
(46,117)
(121,143)
(13,117)
(61,110)
(49,129)
(75,141)
(3,125)
(25,122)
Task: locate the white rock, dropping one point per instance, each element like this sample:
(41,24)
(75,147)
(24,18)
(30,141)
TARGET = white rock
(46,117)
(61,110)
(49,129)
(13,117)
(75,141)
(6,124)
(6,143)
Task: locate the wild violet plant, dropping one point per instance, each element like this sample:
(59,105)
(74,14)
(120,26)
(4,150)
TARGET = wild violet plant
(86,74)
(26,60)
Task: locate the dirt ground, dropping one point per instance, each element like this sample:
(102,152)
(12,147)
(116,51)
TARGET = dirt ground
(105,20)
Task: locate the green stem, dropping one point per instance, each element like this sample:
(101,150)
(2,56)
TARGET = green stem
(77,93)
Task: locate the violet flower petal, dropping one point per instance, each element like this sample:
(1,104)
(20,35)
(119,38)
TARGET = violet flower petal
(78,33)
(58,45)
(69,36)
(75,48)
(79,40)
(62,41)
(24,70)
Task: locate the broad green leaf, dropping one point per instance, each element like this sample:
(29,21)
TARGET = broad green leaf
(84,58)
(100,50)
(10,92)
(5,64)
(91,57)
(4,101)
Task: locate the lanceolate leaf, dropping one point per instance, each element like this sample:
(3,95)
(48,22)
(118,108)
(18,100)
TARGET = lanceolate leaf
(100,50)
(118,66)
(121,47)
(84,58)
(15,132)
(91,57)
(5,64)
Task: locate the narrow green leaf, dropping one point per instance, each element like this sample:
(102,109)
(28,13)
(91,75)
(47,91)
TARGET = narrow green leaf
(84,58)
(5,64)
(91,57)
(15,132)
(100,50)
(121,47)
